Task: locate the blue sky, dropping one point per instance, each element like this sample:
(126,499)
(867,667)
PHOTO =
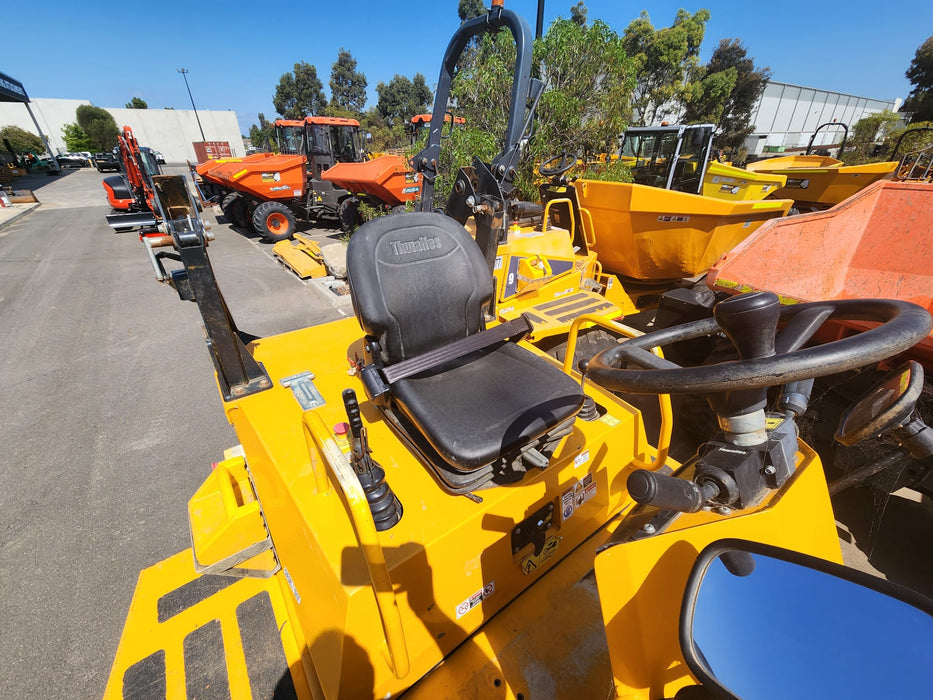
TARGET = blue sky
(109,52)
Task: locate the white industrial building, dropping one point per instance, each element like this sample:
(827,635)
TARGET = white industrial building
(170,131)
(787,115)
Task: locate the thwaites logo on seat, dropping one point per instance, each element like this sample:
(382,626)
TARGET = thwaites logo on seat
(419,245)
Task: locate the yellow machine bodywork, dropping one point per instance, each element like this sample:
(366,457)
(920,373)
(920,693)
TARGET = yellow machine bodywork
(652,234)
(641,582)
(441,605)
(821,181)
(725,181)
(374,612)
(542,274)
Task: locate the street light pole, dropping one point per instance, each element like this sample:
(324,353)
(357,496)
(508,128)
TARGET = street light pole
(184,74)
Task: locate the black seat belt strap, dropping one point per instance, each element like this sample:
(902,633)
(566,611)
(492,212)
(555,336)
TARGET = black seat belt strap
(459,348)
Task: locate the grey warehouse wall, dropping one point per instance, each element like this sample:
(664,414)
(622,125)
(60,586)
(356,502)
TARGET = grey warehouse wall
(170,131)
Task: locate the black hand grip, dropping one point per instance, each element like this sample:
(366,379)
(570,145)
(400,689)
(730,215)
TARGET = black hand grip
(359,447)
(750,320)
(353,412)
(663,491)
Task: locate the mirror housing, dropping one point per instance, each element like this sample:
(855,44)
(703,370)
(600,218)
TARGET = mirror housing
(886,405)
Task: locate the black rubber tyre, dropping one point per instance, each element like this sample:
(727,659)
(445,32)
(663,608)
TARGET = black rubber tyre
(348,211)
(234,208)
(274,221)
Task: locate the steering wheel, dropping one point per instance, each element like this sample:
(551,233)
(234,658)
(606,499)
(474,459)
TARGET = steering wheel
(767,357)
(565,161)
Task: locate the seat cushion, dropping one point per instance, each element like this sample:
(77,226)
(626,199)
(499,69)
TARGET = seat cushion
(487,404)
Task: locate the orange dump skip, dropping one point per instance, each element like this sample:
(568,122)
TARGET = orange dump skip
(876,244)
(267,175)
(387,178)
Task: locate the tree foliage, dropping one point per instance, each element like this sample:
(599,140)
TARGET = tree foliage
(384,135)
(263,136)
(75,138)
(347,85)
(726,94)
(137,103)
(705,99)
(862,144)
(578,14)
(99,125)
(920,75)
(666,60)
(20,140)
(401,98)
(468,9)
(300,93)
(588,81)
(584,106)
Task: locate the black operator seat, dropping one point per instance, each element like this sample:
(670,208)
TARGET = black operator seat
(419,282)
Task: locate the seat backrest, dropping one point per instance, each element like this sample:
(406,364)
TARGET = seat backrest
(418,281)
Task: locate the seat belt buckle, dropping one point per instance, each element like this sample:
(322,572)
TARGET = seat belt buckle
(375,385)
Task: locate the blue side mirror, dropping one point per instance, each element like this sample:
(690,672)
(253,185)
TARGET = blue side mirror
(762,623)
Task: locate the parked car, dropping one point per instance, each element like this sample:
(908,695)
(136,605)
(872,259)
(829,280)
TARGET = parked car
(160,159)
(73,160)
(106,161)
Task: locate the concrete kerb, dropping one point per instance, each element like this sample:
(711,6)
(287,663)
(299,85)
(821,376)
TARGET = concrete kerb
(17,211)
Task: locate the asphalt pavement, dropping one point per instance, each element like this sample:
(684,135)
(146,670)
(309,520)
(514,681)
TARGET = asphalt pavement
(111,420)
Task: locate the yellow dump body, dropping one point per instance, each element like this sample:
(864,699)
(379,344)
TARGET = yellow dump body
(651,234)
(728,182)
(821,181)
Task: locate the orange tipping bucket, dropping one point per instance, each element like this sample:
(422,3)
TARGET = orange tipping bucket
(269,176)
(387,178)
(876,244)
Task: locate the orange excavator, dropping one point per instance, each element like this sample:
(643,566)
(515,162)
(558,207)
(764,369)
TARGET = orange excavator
(131,192)
(321,171)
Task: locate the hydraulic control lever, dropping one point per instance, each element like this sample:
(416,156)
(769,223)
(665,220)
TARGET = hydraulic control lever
(669,492)
(385,507)
(750,321)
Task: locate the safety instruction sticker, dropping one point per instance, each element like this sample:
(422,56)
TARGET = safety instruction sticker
(575,496)
(475,599)
(772,422)
(533,562)
(581,458)
(611,421)
(271,177)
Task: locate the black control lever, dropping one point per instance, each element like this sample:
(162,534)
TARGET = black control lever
(750,321)
(669,492)
(385,507)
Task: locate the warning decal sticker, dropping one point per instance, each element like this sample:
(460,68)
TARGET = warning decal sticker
(475,599)
(531,563)
(575,496)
